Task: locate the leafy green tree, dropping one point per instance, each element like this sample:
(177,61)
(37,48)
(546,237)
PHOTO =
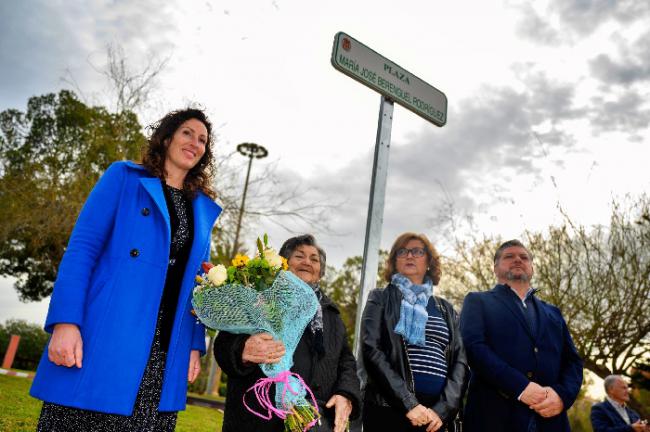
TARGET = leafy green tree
(640,378)
(50,158)
(580,415)
(342,287)
(30,347)
(641,375)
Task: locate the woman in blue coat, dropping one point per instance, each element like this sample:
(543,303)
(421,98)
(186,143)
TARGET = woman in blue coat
(124,342)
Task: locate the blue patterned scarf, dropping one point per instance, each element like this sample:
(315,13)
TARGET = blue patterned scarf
(413,314)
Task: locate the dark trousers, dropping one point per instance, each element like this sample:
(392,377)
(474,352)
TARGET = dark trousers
(380,419)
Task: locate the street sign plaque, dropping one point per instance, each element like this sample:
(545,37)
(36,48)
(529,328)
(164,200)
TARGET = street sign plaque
(396,85)
(371,69)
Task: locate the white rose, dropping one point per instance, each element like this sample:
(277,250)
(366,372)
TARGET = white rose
(273,258)
(218,274)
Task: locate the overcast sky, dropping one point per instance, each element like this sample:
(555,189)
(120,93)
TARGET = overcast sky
(547,99)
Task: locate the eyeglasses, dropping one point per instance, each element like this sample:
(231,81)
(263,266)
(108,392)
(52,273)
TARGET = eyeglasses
(416,252)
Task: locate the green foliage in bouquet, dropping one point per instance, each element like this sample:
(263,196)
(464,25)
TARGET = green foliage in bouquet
(258,272)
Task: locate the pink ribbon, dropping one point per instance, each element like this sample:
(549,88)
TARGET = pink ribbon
(262,392)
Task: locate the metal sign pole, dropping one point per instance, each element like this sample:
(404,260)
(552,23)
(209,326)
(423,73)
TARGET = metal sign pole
(375,213)
(395,84)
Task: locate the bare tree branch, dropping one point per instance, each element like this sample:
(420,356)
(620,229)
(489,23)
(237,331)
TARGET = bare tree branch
(599,277)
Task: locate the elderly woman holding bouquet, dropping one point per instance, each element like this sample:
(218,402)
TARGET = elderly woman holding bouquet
(322,357)
(124,342)
(415,367)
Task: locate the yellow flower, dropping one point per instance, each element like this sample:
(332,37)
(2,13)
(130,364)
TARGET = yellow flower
(240,260)
(285,264)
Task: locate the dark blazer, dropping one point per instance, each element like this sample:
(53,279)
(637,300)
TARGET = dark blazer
(384,368)
(605,418)
(504,356)
(333,373)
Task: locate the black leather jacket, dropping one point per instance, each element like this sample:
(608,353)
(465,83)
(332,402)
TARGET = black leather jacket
(384,366)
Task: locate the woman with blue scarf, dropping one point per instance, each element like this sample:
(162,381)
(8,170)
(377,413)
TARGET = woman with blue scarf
(413,365)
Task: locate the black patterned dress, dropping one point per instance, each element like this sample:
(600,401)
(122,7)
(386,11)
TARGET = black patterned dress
(145,417)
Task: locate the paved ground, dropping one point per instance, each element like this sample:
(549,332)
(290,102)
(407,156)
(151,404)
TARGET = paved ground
(16,374)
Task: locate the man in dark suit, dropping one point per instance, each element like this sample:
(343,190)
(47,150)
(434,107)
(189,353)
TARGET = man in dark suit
(526,371)
(612,415)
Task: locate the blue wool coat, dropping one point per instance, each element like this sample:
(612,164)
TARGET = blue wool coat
(110,283)
(504,356)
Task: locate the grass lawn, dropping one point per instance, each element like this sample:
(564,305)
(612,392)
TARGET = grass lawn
(199,419)
(19,412)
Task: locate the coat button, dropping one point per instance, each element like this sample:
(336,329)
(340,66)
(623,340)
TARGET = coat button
(135,253)
(529,374)
(145,211)
(535,349)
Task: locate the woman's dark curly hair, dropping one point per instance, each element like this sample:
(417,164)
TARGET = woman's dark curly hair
(199,178)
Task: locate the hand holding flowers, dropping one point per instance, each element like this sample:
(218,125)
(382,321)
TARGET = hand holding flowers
(257,296)
(262,348)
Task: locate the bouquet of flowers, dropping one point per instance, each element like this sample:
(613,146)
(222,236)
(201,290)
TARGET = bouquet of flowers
(258,295)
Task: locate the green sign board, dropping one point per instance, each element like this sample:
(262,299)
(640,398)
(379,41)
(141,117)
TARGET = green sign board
(356,60)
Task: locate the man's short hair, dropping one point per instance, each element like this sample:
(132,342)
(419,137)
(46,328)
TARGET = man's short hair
(609,382)
(506,245)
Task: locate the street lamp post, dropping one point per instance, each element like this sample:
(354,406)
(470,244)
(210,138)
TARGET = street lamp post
(251,151)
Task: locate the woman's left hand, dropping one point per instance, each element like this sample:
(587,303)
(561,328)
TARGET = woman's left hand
(342,409)
(436,423)
(195,365)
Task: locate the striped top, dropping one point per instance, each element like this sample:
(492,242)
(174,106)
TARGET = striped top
(428,363)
